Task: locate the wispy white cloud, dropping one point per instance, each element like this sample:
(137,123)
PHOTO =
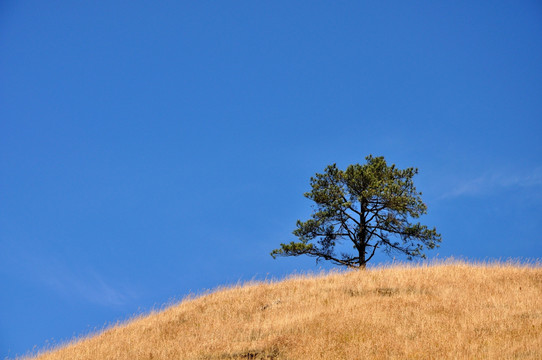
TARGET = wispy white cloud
(89,286)
(78,283)
(492,182)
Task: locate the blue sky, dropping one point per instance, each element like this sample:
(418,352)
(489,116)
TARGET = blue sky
(153,149)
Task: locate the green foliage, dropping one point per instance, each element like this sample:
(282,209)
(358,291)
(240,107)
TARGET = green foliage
(371,206)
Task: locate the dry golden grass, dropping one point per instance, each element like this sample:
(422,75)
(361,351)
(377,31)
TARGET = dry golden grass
(441,311)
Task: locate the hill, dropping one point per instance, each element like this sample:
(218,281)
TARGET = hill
(455,310)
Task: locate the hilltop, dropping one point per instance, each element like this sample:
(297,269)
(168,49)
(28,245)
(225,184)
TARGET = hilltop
(454,310)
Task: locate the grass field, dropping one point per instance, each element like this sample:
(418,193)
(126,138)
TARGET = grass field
(452,310)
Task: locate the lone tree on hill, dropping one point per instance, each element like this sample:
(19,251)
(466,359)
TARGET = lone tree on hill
(370,205)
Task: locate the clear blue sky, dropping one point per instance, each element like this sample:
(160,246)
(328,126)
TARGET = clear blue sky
(151,149)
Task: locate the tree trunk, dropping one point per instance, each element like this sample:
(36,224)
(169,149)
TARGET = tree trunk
(363,242)
(362,262)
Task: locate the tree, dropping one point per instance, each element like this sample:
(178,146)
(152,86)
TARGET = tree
(371,206)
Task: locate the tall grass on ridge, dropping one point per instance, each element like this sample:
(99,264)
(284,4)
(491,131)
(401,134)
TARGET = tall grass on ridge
(454,310)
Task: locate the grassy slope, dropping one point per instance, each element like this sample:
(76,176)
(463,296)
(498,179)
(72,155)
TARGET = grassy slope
(441,311)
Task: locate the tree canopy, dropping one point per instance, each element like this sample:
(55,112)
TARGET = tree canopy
(372,206)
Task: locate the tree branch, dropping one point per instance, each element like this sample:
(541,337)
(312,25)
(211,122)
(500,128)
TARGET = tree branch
(329,257)
(390,244)
(372,254)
